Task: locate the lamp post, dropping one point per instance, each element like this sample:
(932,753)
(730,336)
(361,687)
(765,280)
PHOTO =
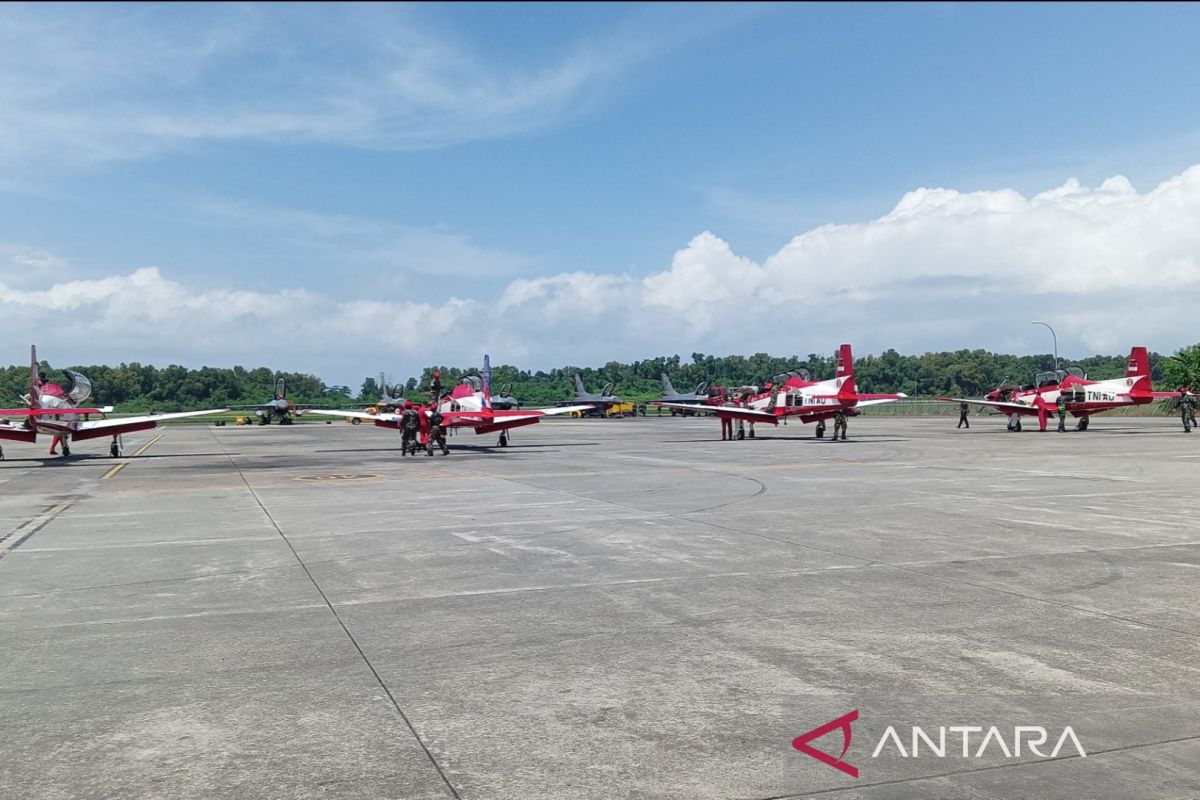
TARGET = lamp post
(1039,322)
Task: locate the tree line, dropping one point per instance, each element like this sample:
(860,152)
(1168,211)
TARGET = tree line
(137,387)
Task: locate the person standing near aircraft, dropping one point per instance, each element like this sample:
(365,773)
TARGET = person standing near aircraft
(410,424)
(727,425)
(1062,413)
(963,408)
(1187,408)
(435,386)
(839,424)
(436,432)
(53,396)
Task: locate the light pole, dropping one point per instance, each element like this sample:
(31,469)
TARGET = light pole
(1039,322)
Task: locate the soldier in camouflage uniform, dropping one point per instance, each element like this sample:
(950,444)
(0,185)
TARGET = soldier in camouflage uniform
(839,424)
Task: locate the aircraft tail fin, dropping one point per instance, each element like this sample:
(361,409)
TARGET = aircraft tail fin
(845,370)
(35,383)
(667,388)
(579,390)
(1137,369)
(487,381)
(1139,363)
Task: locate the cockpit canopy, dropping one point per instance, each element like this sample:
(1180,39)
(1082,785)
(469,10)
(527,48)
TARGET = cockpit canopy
(784,377)
(1056,377)
(81,387)
(474,381)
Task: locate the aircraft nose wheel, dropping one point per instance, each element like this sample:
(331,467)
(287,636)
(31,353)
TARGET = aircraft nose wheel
(503,439)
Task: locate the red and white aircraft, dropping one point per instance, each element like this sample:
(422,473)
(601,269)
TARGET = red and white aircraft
(52,411)
(1083,397)
(800,396)
(467,405)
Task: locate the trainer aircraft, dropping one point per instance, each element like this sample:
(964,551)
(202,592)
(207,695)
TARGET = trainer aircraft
(796,395)
(53,411)
(468,405)
(1082,397)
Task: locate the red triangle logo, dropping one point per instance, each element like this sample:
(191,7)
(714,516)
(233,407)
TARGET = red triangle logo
(801,743)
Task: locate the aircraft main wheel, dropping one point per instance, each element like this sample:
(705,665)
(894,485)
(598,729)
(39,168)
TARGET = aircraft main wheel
(66,448)
(1,453)
(821,430)
(114,450)
(355,421)
(741,435)
(1083,423)
(503,440)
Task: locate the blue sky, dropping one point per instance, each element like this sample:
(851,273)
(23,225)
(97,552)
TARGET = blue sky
(343,189)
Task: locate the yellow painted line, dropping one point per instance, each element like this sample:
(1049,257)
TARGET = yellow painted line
(136,453)
(15,538)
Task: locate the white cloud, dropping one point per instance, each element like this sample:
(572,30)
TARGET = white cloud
(80,85)
(1109,267)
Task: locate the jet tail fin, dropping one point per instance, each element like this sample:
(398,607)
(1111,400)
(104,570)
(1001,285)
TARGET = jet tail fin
(487,381)
(667,388)
(35,394)
(845,370)
(579,390)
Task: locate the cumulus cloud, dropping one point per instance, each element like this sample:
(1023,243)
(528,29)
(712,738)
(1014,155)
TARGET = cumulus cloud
(1108,266)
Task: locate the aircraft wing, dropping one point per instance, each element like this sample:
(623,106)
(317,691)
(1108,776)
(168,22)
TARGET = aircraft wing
(495,417)
(328,412)
(877,400)
(997,404)
(52,412)
(734,412)
(109,425)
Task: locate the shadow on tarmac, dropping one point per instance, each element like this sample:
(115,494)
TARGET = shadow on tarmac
(479,448)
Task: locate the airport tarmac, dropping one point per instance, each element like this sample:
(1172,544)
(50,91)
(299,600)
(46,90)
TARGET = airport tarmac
(625,608)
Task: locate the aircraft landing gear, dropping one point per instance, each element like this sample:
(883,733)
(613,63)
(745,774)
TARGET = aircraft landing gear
(503,439)
(66,448)
(1,453)
(1014,423)
(114,450)
(821,429)
(1082,424)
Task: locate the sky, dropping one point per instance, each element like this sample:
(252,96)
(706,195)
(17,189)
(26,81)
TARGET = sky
(345,190)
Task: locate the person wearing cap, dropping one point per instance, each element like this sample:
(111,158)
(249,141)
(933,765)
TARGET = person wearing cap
(437,433)
(435,385)
(410,423)
(1187,408)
